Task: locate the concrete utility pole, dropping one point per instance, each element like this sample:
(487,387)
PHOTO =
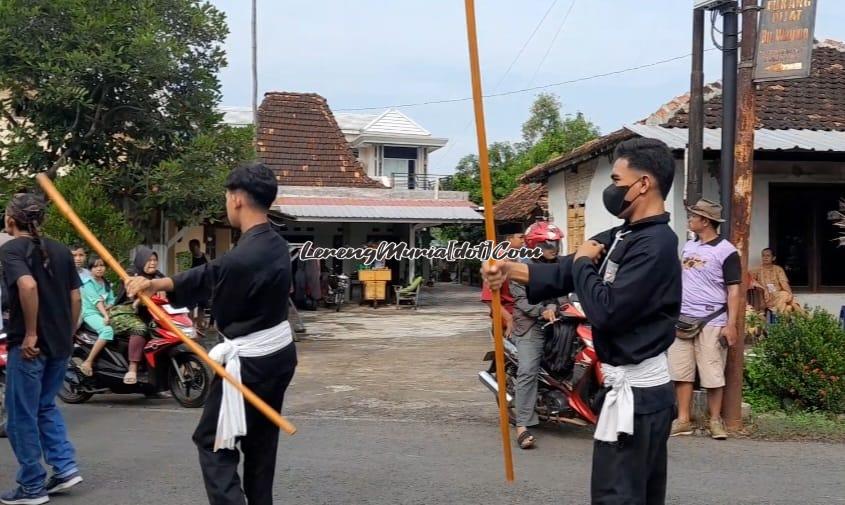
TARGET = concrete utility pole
(255,70)
(741,215)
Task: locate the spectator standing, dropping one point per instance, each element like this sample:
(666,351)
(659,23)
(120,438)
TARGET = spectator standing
(712,278)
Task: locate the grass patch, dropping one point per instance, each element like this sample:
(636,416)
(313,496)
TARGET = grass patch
(798,425)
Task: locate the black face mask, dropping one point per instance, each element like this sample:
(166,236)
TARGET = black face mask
(613,197)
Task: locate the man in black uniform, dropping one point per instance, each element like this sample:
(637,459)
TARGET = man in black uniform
(249,291)
(628,280)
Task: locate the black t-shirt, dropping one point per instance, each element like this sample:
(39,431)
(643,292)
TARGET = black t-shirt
(197,261)
(21,257)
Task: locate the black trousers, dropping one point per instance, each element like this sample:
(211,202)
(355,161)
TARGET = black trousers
(259,446)
(632,471)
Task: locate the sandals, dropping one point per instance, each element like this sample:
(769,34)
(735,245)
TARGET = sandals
(86,369)
(525,440)
(130,378)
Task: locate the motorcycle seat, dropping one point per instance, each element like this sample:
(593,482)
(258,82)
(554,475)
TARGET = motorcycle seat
(86,334)
(88,329)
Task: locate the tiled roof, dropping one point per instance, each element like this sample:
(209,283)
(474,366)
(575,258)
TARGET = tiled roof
(681,103)
(522,203)
(813,103)
(299,139)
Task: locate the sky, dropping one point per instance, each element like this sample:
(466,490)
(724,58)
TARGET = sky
(381,53)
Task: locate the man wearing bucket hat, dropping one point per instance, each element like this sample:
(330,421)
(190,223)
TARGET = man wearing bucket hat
(712,300)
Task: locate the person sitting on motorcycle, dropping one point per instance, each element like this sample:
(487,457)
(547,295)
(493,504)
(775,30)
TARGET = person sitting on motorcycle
(97,299)
(528,331)
(130,317)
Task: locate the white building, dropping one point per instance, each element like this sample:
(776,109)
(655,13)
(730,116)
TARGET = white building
(799,175)
(391,146)
(356,180)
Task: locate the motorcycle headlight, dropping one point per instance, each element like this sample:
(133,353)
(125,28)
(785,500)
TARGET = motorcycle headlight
(189,331)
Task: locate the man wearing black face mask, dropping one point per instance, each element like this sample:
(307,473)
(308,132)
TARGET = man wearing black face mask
(628,280)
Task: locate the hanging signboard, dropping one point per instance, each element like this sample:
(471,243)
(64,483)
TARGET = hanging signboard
(785,39)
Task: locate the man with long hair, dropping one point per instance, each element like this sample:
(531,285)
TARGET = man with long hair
(42,285)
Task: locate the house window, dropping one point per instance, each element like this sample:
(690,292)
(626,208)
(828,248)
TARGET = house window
(355,153)
(804,238)
(400,164)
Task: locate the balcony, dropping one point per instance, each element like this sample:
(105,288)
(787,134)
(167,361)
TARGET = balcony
(418,182)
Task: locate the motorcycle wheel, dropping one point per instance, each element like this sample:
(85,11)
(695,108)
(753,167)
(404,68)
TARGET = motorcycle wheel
(2,405)
(193,392)
(69,393)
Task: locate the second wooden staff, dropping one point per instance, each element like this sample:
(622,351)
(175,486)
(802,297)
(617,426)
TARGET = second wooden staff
(490,228)
(68,212)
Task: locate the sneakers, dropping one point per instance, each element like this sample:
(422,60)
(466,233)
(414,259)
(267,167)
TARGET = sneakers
(680,428)
(54,485)
(58,484)
(717,429)
(20,497)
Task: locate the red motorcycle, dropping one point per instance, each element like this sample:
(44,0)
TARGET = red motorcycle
(4,353)
(168,364)
(570,375)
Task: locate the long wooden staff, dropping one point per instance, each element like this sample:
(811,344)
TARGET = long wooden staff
(490,228)
(66,210)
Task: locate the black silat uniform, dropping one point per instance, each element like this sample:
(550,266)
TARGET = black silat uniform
(250,286)
(632,304)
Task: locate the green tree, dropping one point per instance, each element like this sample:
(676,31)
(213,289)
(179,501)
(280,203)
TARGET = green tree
(85,193)
(189,189)
(544,118)
(546,134)
(119,86)
(467,176)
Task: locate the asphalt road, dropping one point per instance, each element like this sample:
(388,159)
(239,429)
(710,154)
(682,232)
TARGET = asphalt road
(390,411)
(141,453)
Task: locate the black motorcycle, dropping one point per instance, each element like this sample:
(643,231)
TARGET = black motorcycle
(337,290)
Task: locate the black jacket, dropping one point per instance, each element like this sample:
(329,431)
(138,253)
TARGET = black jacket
(634,303)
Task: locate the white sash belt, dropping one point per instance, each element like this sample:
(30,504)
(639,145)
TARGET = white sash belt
(617,413)
(231,423)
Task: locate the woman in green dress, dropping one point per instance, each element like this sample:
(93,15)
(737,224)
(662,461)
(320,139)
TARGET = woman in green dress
(108,318)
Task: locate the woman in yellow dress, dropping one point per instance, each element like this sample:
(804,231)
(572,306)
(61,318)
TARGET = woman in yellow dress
(772,280)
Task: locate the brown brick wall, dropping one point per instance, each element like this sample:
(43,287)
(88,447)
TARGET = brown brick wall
(577,187)
(575,226)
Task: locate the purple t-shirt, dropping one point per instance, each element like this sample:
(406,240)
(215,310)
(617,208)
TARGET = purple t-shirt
(708,269)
